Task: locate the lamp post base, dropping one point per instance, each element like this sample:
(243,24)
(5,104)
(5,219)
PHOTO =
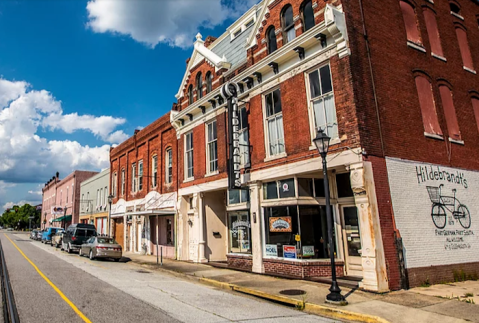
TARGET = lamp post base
(335,296)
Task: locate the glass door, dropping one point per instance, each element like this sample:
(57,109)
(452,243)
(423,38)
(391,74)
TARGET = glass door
(352,241)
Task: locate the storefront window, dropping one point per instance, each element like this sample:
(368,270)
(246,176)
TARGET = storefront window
(169,232)
(238,196)
(319,187)
(240,232)
(283,188)
(305,187)
(343,181)
(281,228)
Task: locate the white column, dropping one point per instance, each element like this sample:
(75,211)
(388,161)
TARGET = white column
(200,217)
(256,227)
(373,260)
(125,228)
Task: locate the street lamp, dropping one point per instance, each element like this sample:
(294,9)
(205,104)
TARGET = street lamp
(110,199)
(322,144)
(64,216)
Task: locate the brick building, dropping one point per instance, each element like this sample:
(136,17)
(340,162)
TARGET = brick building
(394,85)
(144,185)
(61,199)
(94,206)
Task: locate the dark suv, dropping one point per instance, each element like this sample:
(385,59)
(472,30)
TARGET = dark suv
(76,235)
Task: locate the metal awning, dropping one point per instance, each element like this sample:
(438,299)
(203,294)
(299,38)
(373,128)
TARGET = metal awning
(63,218)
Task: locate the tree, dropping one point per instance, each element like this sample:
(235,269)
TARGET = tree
(19,216)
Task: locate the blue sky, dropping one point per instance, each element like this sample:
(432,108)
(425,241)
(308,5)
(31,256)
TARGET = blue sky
(79,76)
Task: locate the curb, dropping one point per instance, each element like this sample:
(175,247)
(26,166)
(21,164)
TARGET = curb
(342,314)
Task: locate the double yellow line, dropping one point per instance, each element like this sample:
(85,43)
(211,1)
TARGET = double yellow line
(80,314)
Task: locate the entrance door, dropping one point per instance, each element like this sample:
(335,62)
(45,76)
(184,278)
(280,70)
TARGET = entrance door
(352,241)
(138,238)
(118,232)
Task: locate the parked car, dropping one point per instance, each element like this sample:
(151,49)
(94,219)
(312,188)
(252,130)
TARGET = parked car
(57,238)
(39,235)
(76,235)
(47,234)
(10,229)
(33,234)
(101,247)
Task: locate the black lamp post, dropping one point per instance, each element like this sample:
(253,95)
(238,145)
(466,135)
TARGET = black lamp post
(64,217)
(110,199)
(322,143)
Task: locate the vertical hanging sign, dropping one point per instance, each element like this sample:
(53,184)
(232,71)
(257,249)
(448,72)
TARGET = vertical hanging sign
(230,92)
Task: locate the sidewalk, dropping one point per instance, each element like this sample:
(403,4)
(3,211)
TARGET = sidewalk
(437,303)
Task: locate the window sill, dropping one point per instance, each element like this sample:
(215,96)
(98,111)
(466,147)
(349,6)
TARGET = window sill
(240,254)
(189,180)
(212,174)
(434,136)
(278,156)
(439,57)
(416,46)
(455,141)
(469,70)
(457,15)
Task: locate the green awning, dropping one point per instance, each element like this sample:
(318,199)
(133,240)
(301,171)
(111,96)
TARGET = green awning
(65,218)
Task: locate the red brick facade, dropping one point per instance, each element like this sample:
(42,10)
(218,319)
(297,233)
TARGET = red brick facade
(302,269)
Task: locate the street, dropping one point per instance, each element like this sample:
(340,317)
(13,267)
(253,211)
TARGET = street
(105,291)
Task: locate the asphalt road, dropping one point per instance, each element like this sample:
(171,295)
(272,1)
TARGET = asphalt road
(104,291)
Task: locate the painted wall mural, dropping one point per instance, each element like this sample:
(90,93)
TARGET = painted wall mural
(437,212)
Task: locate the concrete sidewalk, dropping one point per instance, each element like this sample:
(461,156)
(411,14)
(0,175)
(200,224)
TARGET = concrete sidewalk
(432,304)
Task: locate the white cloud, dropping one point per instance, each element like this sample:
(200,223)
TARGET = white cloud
(35,192)
(173,22)
(27,157)
(9,205)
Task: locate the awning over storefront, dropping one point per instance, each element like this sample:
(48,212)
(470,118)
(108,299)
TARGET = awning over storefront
(65,218)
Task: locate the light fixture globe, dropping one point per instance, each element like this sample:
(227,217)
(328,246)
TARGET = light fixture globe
(322,142)
(110,198)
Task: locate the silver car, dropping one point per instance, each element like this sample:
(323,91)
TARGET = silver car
(101,247)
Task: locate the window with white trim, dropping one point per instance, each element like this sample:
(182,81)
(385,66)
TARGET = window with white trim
(140,175)
(274,123)
(123,182)
(244,136)
(322,101)
(105,197)
(287,20)
(82,202)
(67,195)
(133,177)
(189,155)
(169,166)
(154,171)
(211,148)
(114,183)
(97,198)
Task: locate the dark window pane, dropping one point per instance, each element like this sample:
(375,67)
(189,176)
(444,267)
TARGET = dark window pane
(271,191)
(286,188)
(234,197)
(308,15)
(269,104)
(314,84)
(244,196)
(244,118)
(305,187)
(272,45)
(326,85)
(288,16)
(319,187)
(279,239)
(343,181)
(351,224)
(277,101)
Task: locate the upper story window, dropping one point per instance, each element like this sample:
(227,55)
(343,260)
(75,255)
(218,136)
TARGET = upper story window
(475,107)
(199,86)
(209,82)
(464,48)
(67,195)
(133,177)
(237,33)
(274,123)
(322,101)
(97,198)
(190,94)
(189,155)
(433,32)
(249,23)
(238,196)
(105,197)
(113,184)
(272,44)
(212,148)
(154,171)
(61,200)
(82,202)
(122,182)
(428,106)
(455,10)
(410,22)
(450,113)
(287,22)
(169,166)
(140,175)
(308,15)
(244,137)
(87,201)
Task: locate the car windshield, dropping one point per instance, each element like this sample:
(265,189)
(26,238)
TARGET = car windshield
(85,232)
(107,241)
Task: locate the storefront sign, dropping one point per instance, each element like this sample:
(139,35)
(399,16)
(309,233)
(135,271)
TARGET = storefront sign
(280,224)
(229,91)
(240,224)
(285,187)
(289,252)
(308,251)
(271,250)
(58,210)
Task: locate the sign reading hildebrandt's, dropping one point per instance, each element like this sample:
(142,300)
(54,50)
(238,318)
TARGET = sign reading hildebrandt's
(229,91)
(436,209)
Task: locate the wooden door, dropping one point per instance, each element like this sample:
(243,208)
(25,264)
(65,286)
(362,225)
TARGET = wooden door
(119,236)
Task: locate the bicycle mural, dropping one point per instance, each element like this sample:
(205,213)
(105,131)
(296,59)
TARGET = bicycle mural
(443,204)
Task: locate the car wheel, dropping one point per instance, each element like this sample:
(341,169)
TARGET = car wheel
(69,249)
(91,255)
(117,259)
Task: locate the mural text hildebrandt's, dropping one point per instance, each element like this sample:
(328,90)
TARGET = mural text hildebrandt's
(434,173)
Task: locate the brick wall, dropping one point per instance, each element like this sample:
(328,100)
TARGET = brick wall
(442,274)
(240,262)
(302,269)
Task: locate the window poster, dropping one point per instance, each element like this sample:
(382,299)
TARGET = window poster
(280,224)
(271,250)
(289,252)
(308,251)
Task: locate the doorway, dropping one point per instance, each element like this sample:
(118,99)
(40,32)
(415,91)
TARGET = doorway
(352,240)
(138,237)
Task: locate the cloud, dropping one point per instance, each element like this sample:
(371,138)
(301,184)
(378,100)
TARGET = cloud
(25,157)
(172,22)
(9,205)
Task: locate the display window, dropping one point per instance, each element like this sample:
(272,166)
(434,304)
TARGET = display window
(238,196)
(239,232)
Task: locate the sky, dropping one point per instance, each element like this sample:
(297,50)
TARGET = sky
(77,77)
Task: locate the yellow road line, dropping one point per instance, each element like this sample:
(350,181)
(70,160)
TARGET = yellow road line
(80,314)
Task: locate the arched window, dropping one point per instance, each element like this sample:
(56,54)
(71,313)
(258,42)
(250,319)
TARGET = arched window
(475,107)
(272,45)
(455,8)
(190,94)
(199,86)
(308,15)
(433,31)
(209,82)
(449,112)
(464,48)
(410,21)
(287,21)
(427,105)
